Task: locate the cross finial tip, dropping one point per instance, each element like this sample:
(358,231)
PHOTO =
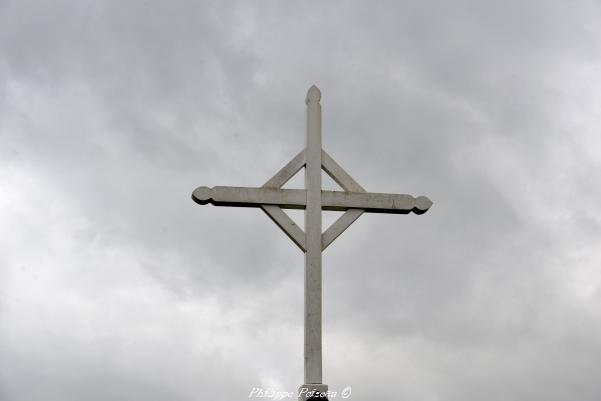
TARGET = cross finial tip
(313,95)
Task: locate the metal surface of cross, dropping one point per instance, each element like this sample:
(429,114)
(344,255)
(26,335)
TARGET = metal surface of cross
(354,201)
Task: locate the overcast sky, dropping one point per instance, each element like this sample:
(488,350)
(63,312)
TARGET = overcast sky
(114,285)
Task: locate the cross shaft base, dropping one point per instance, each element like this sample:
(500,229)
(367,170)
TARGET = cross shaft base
(313,392)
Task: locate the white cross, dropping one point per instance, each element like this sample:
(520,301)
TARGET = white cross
(354,200)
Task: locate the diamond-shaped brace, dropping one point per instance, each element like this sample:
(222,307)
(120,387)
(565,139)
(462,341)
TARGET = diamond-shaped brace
(290,228)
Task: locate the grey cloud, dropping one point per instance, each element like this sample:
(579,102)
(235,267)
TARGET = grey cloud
(119,110)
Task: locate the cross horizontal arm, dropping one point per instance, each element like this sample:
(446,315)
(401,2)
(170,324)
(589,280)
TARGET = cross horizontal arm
(297,198)
(251,197)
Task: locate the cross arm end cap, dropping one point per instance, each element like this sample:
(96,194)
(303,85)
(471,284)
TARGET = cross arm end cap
(202,195)
(422,204)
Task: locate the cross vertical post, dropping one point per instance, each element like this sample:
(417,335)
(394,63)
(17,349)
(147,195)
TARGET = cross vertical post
(313,287)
